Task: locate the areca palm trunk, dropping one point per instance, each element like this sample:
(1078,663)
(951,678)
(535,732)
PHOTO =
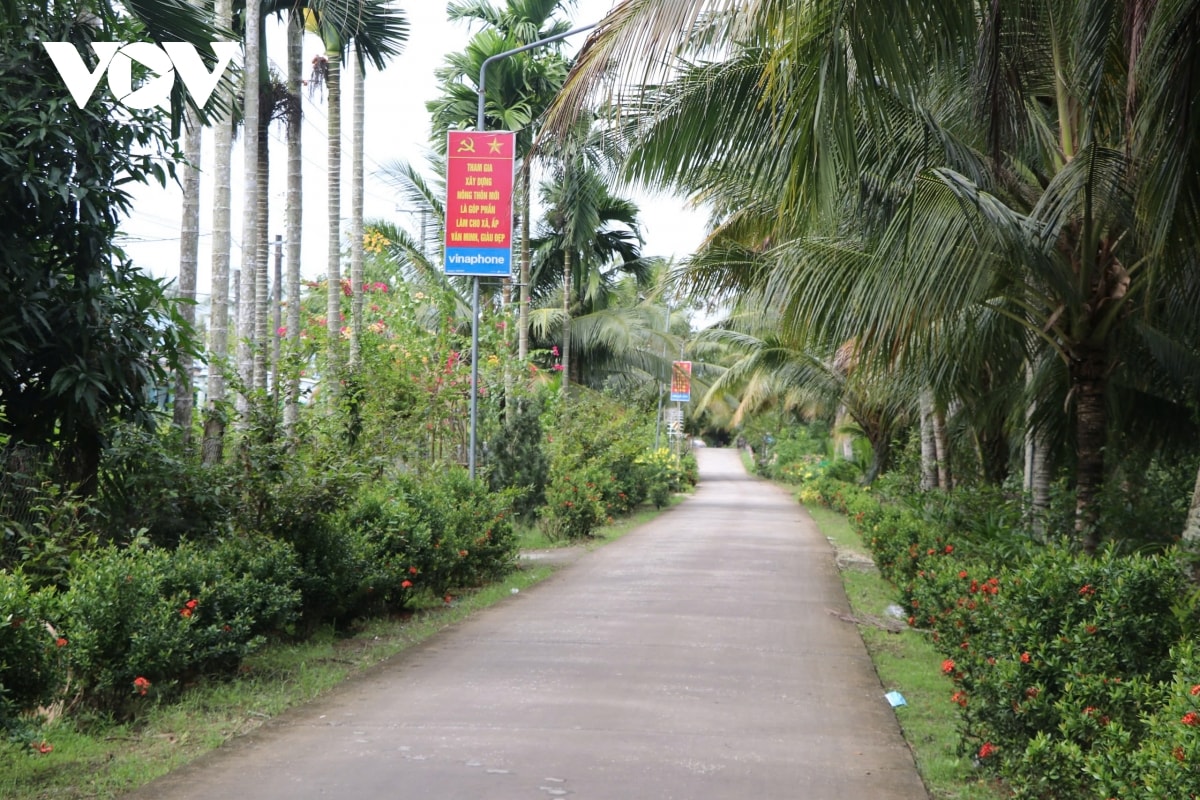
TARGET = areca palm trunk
(358,71)
(566,336)
(295,63)
(262,249)
(189,256)
(218,319)
(523,289)
(250,178)
(333,193)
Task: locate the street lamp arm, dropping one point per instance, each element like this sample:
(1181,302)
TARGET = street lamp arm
(479,123)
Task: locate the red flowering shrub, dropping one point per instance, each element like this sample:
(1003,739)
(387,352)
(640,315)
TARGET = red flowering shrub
(30,667)
(169,615)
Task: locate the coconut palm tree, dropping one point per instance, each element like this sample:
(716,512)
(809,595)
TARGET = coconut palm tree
(1015,158)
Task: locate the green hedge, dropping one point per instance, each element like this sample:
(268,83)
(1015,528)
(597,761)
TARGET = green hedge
(1074,674)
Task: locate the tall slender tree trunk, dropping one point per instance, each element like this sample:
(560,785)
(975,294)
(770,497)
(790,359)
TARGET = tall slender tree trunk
(295,65)
(941,441)
(929,471)
(262,256)
(1191,528)
(333,196)
(1088,386)
(250,179)
(357,113)
(189,257)
(276,319)
(523,289)
(566,335)
(1037,466)
(218,318)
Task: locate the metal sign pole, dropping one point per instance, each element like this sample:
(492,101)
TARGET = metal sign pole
(481,125)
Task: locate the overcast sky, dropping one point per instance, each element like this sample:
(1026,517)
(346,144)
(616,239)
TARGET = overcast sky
(397,127)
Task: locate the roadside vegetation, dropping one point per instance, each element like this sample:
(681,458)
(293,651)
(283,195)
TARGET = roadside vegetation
(1031,669)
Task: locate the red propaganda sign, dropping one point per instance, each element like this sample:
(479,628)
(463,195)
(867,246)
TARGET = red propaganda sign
(681,381)
(479,183)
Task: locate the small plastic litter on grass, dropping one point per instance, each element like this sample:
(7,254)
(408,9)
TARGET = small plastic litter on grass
(896,699)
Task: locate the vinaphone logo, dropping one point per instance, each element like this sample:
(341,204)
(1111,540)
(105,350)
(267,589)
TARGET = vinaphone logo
(161,63)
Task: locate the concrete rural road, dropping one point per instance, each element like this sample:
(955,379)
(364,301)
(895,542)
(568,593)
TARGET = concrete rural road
(694,659)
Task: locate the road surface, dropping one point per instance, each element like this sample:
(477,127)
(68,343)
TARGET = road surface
(696,659)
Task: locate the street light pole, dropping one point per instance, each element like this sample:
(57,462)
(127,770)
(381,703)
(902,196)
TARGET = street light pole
(481,125)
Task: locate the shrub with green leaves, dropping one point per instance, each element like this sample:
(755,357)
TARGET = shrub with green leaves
(144,616)
(31,667)
(574,503)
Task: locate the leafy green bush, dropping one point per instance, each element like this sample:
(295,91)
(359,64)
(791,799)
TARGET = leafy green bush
(433,532)
(151,486)
(31,668)
(574,506)
(147,617)
(518,461)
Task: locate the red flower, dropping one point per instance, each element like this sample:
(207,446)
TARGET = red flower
(406,584)
(412,570)
(1025,657)
(987,749)
(191,604)
(1086,590)
(948,666)
(1190,718)
(185,612)
(962,574)
(1032,692)
(1196,690)
(960,698)
(142,685)
(1179,754)
(949,549)
(42,747)
(61,642)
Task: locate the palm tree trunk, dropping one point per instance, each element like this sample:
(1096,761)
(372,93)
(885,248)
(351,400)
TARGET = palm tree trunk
(262,255)
(523,289)
(566,336)
(941,441)
(189,256)
(291,406)
(929,471)
(1037,467)
(358,71)
(333,194)
(250,124)
(1091,424)
(1191,528)
(218,317)
(276,319)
